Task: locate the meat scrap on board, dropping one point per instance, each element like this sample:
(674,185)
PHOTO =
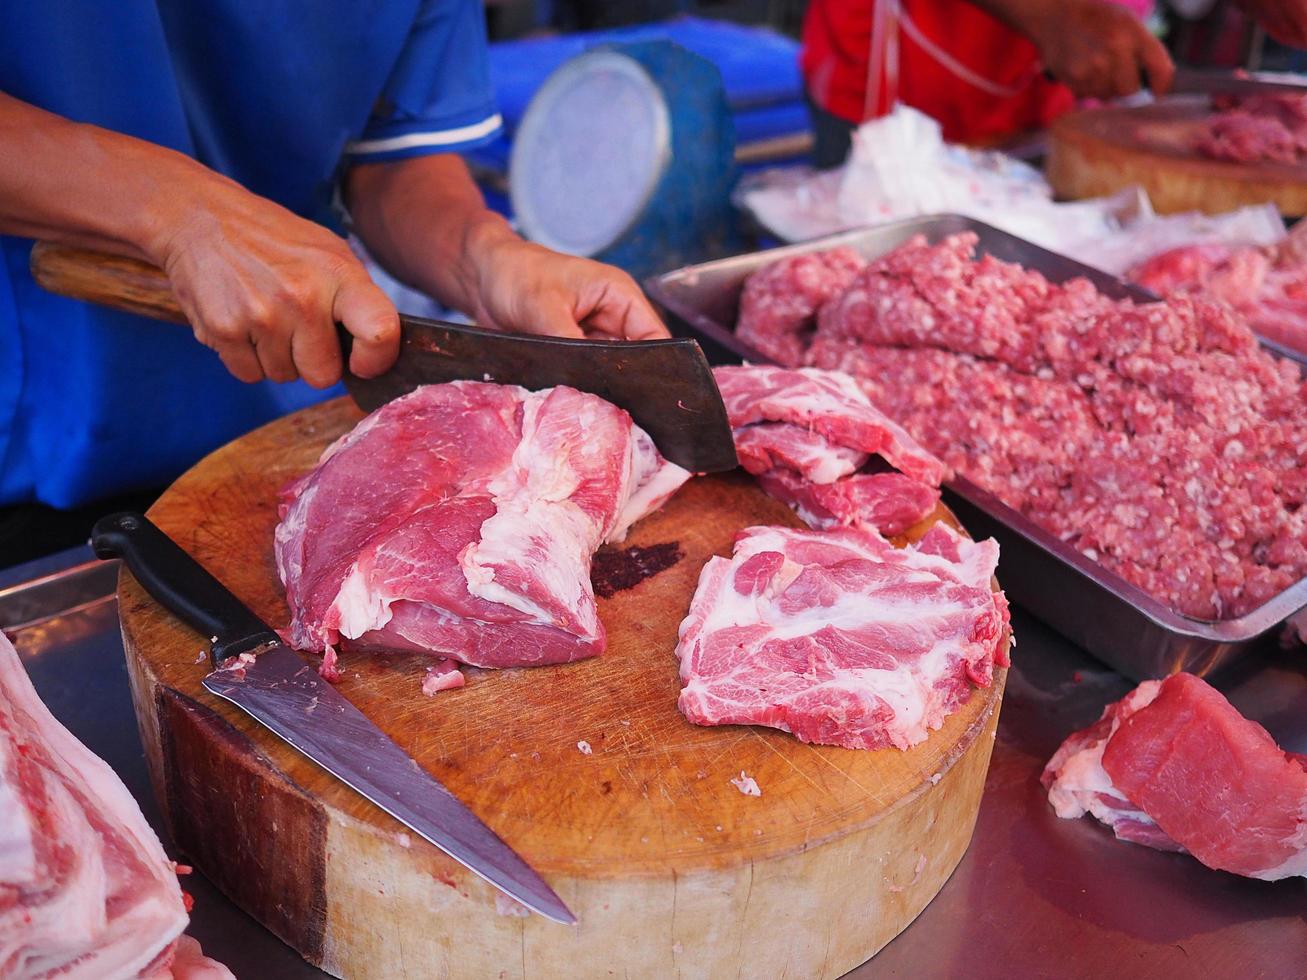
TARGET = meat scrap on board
(841,638)
(460,520)
(86,890)
(806,433)
(1173,765)
(1158,439)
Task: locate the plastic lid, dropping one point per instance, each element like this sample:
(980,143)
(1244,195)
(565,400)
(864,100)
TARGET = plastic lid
(593,145)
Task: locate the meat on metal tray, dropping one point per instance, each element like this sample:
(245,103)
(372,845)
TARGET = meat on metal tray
(1089,604)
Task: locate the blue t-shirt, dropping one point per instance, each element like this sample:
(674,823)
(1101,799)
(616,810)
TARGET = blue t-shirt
(279,95)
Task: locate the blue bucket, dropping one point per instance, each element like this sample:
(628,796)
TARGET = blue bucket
(626,155)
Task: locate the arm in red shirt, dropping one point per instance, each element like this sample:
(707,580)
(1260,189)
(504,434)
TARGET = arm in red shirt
(1284,20)
(1097,48)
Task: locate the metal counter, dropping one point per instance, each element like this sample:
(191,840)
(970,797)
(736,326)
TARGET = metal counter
(1035,896)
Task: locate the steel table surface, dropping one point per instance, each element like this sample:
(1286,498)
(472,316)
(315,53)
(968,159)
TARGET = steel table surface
(1034,896)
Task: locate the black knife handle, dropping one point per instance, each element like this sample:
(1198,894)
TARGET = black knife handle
(178,581)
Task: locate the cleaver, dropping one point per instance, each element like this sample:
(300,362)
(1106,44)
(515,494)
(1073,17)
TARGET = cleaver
(665,385)
(257,672)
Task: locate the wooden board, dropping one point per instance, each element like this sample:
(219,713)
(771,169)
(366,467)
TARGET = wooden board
(670,869)
(1100,151)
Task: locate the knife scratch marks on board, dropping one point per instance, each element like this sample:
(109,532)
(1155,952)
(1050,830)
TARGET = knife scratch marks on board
(815,753)
(729,746)
(662,816)
(780,755)
(627,777)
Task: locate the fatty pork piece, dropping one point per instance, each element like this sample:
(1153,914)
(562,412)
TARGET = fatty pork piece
(890,503)
(780,301)
(1173,765)
(460,520)
(841,638)
(829,403)
(806,433)
(86,890)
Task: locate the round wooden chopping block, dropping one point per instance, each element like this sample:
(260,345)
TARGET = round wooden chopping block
(670,869)
(1100,151)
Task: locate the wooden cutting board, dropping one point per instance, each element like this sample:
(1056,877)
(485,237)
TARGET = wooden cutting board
(1100,151)
(670,869)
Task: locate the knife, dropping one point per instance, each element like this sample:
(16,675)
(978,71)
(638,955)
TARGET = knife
(1196,81)
(267,680)
(666,386)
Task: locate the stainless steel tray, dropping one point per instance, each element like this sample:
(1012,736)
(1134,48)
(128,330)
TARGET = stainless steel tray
(1090,605)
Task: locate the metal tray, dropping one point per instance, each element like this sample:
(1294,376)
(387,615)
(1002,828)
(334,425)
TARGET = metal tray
(1090,605)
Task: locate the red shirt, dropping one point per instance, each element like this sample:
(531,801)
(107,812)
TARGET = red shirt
(834,60)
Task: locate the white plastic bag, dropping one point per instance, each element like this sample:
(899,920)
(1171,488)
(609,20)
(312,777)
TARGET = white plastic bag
(1150,235)
(900,167)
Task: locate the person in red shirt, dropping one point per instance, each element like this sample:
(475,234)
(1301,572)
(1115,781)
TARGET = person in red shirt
(985,69)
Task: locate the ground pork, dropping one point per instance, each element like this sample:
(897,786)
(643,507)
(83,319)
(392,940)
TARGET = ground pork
(779,302)
(1159,439)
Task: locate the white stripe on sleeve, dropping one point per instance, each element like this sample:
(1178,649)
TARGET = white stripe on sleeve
(442,137)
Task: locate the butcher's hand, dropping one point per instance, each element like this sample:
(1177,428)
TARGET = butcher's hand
(1284,20)
(1098,49)
(527,288)
(260,286)
(425,220)
(265,288)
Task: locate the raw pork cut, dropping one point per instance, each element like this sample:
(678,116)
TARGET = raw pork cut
(779,445)
(886,502)
(1173,765)
(805,434)
(828,403)
(86,890)
(1242,137)
(461,519)
(1256,127)
(1266,284)
(1077,783)
(780,301)
(839,637)
(190,963)
(1158,439)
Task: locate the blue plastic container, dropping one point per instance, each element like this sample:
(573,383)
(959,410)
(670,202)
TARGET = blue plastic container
(626,154)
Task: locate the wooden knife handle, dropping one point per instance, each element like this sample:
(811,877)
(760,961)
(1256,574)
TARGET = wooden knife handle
(108,280)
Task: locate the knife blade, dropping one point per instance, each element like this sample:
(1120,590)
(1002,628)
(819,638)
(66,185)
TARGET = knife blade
(1197,81)
(259,674)
(666,386)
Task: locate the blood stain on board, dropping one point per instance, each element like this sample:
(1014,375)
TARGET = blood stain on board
(616,569)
